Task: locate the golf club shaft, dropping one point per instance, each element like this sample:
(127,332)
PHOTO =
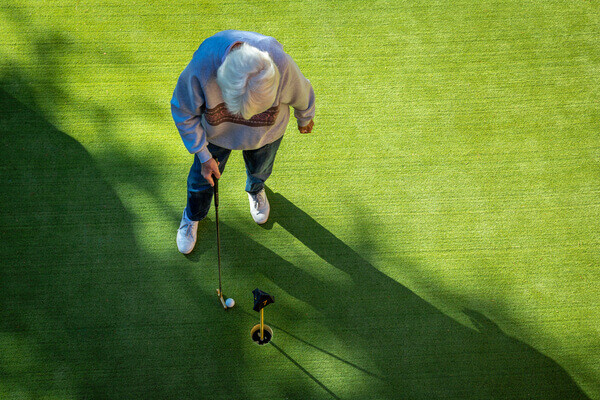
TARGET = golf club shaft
(216,193)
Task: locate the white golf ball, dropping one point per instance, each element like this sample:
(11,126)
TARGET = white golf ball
(230,302)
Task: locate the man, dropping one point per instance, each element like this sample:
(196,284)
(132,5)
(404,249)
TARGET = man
(235,95)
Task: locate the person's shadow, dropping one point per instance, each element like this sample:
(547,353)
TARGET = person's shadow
(422,353)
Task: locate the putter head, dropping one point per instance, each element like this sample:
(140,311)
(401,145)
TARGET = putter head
(220,295)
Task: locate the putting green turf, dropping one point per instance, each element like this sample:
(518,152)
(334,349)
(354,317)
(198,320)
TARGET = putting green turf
(435,237)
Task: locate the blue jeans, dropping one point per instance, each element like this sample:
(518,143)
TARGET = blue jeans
(259,165)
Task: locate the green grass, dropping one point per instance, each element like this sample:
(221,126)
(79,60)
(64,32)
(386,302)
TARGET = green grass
(435,237)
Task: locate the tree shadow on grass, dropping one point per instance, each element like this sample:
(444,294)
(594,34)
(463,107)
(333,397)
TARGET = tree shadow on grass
(421,352)
(82,315)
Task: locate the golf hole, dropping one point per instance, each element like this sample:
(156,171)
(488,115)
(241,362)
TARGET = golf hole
(255,334)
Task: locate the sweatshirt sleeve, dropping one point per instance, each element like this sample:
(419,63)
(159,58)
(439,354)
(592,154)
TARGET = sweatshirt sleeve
(298,92)
(186,108)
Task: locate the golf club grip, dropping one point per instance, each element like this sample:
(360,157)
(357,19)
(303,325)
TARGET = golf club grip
(216,190)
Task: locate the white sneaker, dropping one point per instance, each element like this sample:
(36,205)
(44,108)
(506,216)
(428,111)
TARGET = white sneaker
(259,207)
(186,234)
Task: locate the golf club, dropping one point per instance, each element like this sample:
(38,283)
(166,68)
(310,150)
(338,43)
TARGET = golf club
(216,196)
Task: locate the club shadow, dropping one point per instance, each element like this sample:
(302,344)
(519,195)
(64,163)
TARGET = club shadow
(301,368)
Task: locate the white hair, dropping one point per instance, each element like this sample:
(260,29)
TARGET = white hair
(248,79)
